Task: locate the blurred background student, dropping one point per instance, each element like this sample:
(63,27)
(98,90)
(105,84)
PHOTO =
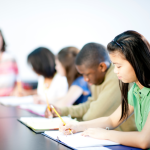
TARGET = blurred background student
(79,89)
(8,70)
(51,85)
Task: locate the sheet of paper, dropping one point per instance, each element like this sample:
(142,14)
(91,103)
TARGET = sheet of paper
(78,141)
(94,148)
(34,108)
(15,101)
(40,123)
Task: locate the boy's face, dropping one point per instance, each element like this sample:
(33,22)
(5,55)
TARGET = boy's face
(94,75)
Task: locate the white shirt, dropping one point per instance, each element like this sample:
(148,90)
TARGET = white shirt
(57,89)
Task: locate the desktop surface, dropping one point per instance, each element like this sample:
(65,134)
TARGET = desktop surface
(16,136)
(13,111)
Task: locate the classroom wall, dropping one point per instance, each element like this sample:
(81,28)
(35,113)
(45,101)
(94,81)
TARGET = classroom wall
(28,24)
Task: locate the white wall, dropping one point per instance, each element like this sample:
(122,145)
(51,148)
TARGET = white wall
(27,24)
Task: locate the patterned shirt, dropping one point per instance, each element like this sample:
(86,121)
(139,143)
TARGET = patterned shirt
(8,74)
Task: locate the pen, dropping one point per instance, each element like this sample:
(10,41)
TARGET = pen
(60,117)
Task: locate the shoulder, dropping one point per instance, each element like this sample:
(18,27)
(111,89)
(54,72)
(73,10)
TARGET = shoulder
(58,78)
(6,56)
(130,94)
(40,80)
(110,79)
(79,81)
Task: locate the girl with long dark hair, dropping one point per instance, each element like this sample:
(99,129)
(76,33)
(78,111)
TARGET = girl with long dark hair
(130,53)
(42,61)
(78,90)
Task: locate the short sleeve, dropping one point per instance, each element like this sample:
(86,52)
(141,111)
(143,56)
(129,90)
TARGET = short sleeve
(82,83)
(130,96)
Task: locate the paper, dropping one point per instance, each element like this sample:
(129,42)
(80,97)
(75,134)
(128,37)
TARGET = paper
(78,141)
(94,148)
(40,123)
(34,108)
(15,101)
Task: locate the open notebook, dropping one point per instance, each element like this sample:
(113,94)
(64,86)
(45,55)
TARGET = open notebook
(76,140)
(34,108)
(40,124)
(15,101)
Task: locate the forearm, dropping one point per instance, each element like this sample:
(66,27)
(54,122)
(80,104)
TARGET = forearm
(76,111)
(30,92)
(102,122)
(60,104)
(73,94)
(134,139)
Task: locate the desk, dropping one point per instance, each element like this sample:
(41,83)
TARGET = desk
(16,136)
(10,112)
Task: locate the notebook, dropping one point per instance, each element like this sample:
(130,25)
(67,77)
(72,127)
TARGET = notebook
(34,108)
(94,148)
(15,101)
(41,124)
(76,141)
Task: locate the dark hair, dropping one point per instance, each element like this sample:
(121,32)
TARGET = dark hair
(67,58)
(92,54)
(4,44)
(136,50)
(42,61)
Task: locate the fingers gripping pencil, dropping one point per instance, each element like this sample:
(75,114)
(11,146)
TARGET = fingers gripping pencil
(60,117)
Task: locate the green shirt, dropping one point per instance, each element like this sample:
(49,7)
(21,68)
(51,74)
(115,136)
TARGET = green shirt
(140,100)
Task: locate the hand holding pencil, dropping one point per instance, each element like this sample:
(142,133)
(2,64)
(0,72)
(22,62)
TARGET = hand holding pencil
(60,118)
(51,113)
(74,126)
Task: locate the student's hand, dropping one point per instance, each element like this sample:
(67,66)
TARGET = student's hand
(38,100)
(97,133)
(18,93)
(51,114)
(72,125)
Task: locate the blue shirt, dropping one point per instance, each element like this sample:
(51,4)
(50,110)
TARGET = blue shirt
(84,85)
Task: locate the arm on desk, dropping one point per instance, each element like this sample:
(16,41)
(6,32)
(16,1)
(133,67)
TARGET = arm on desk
(134,139)
(72,95)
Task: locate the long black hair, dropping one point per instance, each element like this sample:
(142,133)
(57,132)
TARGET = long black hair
(136,50)
(43,62)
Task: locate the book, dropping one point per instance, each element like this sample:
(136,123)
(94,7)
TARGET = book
(94,148)
(41,124)
(34,108)
(76,141)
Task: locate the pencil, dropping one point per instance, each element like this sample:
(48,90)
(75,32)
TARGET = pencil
(60,117)
(47,101)
(19,86)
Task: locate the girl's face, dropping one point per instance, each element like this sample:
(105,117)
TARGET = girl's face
(59,68)
(123,68)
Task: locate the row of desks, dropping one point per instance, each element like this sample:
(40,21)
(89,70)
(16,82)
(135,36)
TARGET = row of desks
(16,136)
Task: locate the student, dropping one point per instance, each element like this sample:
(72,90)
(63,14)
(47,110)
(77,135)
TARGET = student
(42,61)
(8,70)
(78,88)
(94,63)
(130,53)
